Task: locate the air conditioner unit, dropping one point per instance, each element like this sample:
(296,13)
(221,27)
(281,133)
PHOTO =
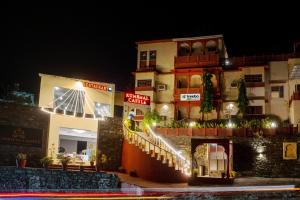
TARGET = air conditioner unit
(161,87)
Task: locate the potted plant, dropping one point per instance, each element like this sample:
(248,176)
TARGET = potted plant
(65,160)
(93,158)
(46,161)
(21,160)
(101,162)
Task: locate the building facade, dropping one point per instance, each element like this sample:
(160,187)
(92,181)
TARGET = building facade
(75,107)
(171,72)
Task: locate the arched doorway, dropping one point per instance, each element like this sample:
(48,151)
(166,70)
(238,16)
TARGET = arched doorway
(211,161)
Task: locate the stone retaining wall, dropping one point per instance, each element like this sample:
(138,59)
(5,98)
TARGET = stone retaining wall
(263,157)
(30,179)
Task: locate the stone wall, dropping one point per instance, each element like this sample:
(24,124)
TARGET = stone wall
(182,143)
(263,157)
(110,139)
(30,179)
(254,156)
(21,116)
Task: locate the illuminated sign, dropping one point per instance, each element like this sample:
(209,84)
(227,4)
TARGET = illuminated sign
(137,98)
(97,86)
(189,97)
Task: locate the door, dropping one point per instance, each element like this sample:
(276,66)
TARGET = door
(81,145)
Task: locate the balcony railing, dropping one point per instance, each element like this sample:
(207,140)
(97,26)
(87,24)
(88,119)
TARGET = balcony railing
(257,60)
(196,60)
(255,84)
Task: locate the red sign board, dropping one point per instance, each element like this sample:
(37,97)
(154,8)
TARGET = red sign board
(137,98)
(96,86)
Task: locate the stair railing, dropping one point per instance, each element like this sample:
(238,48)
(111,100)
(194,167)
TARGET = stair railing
(157,145)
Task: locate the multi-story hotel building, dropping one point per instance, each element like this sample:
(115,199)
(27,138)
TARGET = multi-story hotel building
(170,71)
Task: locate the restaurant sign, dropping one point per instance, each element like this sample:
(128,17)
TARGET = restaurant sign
(11,135)
(97,86)
(136,98)
(189,97)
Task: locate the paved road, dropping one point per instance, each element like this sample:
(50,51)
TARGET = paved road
(243,192)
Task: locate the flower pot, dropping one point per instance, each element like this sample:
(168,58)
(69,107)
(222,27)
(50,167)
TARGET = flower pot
(223,175)
(92,163)
(21,163)
(64,167)
(81,168)
(46,166)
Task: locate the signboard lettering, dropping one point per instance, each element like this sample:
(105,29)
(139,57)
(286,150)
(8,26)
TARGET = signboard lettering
(189,97)
(97,86)
(137,98)
(11,135)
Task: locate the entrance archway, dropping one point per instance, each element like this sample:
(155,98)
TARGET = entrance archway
(212,161)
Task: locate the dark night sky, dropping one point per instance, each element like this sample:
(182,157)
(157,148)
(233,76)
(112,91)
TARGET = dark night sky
(97,42)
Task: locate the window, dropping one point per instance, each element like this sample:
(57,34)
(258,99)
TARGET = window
(68,99)
(254,110)
(152,60)
(277,92)
(143,59)
(253,78)
(234,84)
(102,110)
(139,112)
(297,88)
(144,83)
(118,110)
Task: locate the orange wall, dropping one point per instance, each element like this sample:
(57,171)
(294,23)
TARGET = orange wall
(147,167)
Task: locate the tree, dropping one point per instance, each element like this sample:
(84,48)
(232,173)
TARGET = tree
(207,103)
(243,100)
(151,118)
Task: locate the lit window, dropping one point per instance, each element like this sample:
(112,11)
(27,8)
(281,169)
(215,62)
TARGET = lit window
(68,99)
(277,92)
(143,59)
(102,110)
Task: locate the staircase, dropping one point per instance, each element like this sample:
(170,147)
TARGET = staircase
(164,163)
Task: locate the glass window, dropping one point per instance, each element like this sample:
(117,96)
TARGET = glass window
(143,55)
(153,55)
(277,92)
(68,99)
(297,87)
(143,59)
(253,78)
(102,110)
(144,83)
(118,110)
(254,110)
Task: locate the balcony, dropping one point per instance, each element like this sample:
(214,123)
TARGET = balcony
(256,60)
(196,61)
